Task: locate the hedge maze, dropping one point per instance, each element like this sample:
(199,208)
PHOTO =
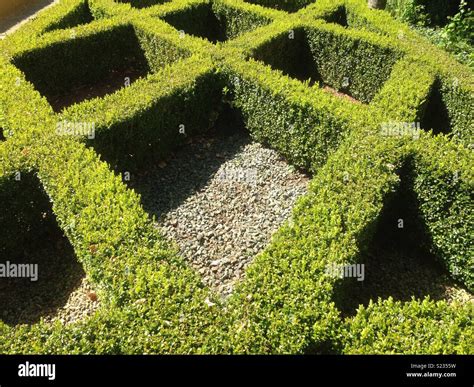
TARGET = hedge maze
(380,119)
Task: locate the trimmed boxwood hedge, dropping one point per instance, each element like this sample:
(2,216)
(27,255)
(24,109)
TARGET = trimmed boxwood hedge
(145,124)
(456,82)
(388,327)
(58,66)
(142,3)
(151,301)
(80,14)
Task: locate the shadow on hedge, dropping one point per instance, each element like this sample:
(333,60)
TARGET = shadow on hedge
(30,235)
(398,261)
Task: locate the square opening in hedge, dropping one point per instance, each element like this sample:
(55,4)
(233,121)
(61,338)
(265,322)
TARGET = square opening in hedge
(282,5)
(220,196)
(345,66)
(38,268)
(290,53)
(147,134)
(82,68)
(216,24)
(80,15)
(199,21)
(398,261)
(142,3)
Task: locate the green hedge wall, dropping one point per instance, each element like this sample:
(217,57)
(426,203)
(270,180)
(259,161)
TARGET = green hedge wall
(121,252)
(145,122)
(142,3)
(365,65)
(392,327)
(284,5)
(288,286)
(290,53)
(198,21)
(278,111)
(459,102)
(443,182)
(216,20)
(57,68)
(81,14)
(151,301)
(239,18)
(456,81)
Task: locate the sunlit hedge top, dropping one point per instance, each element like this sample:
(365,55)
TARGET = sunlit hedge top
(285,304)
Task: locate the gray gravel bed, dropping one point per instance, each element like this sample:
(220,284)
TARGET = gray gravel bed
(221,198)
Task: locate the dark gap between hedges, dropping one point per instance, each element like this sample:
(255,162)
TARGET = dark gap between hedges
(81,16)
(2,135)
(290,6)
(398,261)
(214,22)
(200,21)
(113,82)
(294,58)
(31,235)
(142,3)
(291,56)
(71,72)
(190,166)
(338,17)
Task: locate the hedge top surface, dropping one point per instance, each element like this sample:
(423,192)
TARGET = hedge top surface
(153,302)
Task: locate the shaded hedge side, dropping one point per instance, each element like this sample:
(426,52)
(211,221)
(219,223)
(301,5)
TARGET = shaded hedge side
(151,301)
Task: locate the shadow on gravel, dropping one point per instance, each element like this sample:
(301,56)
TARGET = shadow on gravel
(34,238)
(397,261)
(166,185)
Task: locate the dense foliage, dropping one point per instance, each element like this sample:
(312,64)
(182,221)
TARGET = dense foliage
(151,302)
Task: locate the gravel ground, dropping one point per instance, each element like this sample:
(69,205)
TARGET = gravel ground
(221,198)
(81,303)
(60,293)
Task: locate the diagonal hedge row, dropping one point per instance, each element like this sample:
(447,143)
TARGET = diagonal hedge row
(456,84)
(388,327)
(151,301)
